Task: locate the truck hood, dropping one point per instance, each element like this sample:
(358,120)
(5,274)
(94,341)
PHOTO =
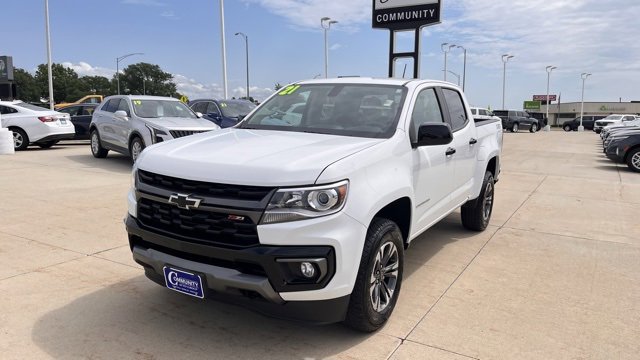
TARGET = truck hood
(181,123)
(251,157)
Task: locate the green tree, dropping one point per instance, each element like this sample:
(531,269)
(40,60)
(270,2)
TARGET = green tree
(26,87)
(277,87)
(65,82)
(95,85)
(156,81)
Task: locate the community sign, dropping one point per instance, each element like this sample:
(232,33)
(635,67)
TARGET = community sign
(405,14)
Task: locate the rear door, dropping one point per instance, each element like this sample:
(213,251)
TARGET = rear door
(464,143)
(432,168)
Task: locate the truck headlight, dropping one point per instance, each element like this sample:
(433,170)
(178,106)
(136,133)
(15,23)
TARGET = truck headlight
(306,203)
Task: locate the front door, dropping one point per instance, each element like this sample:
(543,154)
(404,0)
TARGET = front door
(433,169)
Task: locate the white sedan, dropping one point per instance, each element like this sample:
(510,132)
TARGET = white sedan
(32,124)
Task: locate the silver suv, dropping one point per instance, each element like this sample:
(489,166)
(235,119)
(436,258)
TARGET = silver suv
(128,123)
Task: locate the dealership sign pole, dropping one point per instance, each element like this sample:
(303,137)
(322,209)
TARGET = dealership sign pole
(405,15)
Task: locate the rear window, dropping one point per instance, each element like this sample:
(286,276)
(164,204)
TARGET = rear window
(30,107)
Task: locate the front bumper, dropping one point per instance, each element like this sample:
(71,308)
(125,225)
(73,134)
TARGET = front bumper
(253,277)
(614,153)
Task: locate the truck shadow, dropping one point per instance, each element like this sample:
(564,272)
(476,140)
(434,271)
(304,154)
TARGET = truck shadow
(136,318)
(113,163)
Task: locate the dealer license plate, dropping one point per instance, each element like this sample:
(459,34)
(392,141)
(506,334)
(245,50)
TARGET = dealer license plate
(183,281)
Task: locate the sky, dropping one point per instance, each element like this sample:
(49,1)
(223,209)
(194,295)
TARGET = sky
(286,43)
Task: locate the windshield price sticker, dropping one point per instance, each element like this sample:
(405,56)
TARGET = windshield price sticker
(289,90)
(137,102)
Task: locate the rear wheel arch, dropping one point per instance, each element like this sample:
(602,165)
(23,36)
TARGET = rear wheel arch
(492,166)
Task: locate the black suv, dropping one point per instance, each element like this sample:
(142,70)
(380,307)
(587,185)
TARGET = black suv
(587,122)
(514,120)
(625,149)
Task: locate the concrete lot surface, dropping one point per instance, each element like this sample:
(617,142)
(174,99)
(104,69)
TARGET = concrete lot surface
(555,276)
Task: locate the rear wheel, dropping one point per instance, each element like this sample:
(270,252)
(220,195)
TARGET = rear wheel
(135,149)
(567,128)
(20,139)
(533,128)
(633,160)
(96,148)
(47,144)
(477,213)
(379,278)
(515,127)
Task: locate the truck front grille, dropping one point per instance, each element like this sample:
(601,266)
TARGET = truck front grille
(181,133)
(197,225)
(223,191)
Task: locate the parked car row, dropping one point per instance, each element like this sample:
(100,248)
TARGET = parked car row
(612,120)
(621,142)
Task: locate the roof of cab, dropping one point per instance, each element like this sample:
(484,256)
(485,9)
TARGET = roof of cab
(378,81)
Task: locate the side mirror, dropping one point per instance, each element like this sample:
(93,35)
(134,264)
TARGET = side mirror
(121,114)
(433,134)
(199,114)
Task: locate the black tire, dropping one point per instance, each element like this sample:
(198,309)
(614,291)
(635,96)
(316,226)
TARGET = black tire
(633,160)
(136,143)
(20,139)
(567,128)
(96,146)
(361,315)
(47,144)
(475,214)
(533,128)
(515,127)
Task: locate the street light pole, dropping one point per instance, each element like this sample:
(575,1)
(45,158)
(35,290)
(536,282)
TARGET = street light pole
(464,68)
(505,60)
(118,59)
(224,51)
(326,23)
(445,49)
(246,44)
(550,68)
(454,74)
(144,87)
(584,77)
(50,73)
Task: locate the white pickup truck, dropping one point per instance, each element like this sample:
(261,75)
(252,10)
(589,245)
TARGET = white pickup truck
(304,210)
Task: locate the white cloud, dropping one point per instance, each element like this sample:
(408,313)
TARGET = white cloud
(195,89)
(168,14)
(336,47)
(307,13)
(84,69)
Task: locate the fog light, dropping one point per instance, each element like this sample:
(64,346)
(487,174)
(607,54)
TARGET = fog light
(307,269)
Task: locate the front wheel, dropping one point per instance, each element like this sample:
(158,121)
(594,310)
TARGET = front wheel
(633,160)
(379,278)
(477,213)
(136,148)
(567,128)
(533,128)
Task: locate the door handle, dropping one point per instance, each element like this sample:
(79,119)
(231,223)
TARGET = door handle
(450,151)
(473,141)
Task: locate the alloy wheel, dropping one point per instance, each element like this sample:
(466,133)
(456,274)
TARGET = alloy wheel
(635,160)
(95,143)
(17,139)
(384,277)
(487,203)
(136,149)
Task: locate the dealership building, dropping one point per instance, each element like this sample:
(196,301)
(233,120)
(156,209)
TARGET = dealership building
(559,113)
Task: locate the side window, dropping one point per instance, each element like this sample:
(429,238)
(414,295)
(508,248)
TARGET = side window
(123,106)
(111,105)
(628,118)
(512,114)
(200,107)
(474,111)
(72,110)
(87,110)
(456,107)
(212,108)
(426,110)
(7,110)
(482,112)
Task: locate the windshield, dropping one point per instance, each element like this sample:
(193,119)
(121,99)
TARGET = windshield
(234,109)
(338,109)
(613,117)
(161,108)
(31,107)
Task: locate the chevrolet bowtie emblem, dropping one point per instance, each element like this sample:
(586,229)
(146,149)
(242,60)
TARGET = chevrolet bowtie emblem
(184,201)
